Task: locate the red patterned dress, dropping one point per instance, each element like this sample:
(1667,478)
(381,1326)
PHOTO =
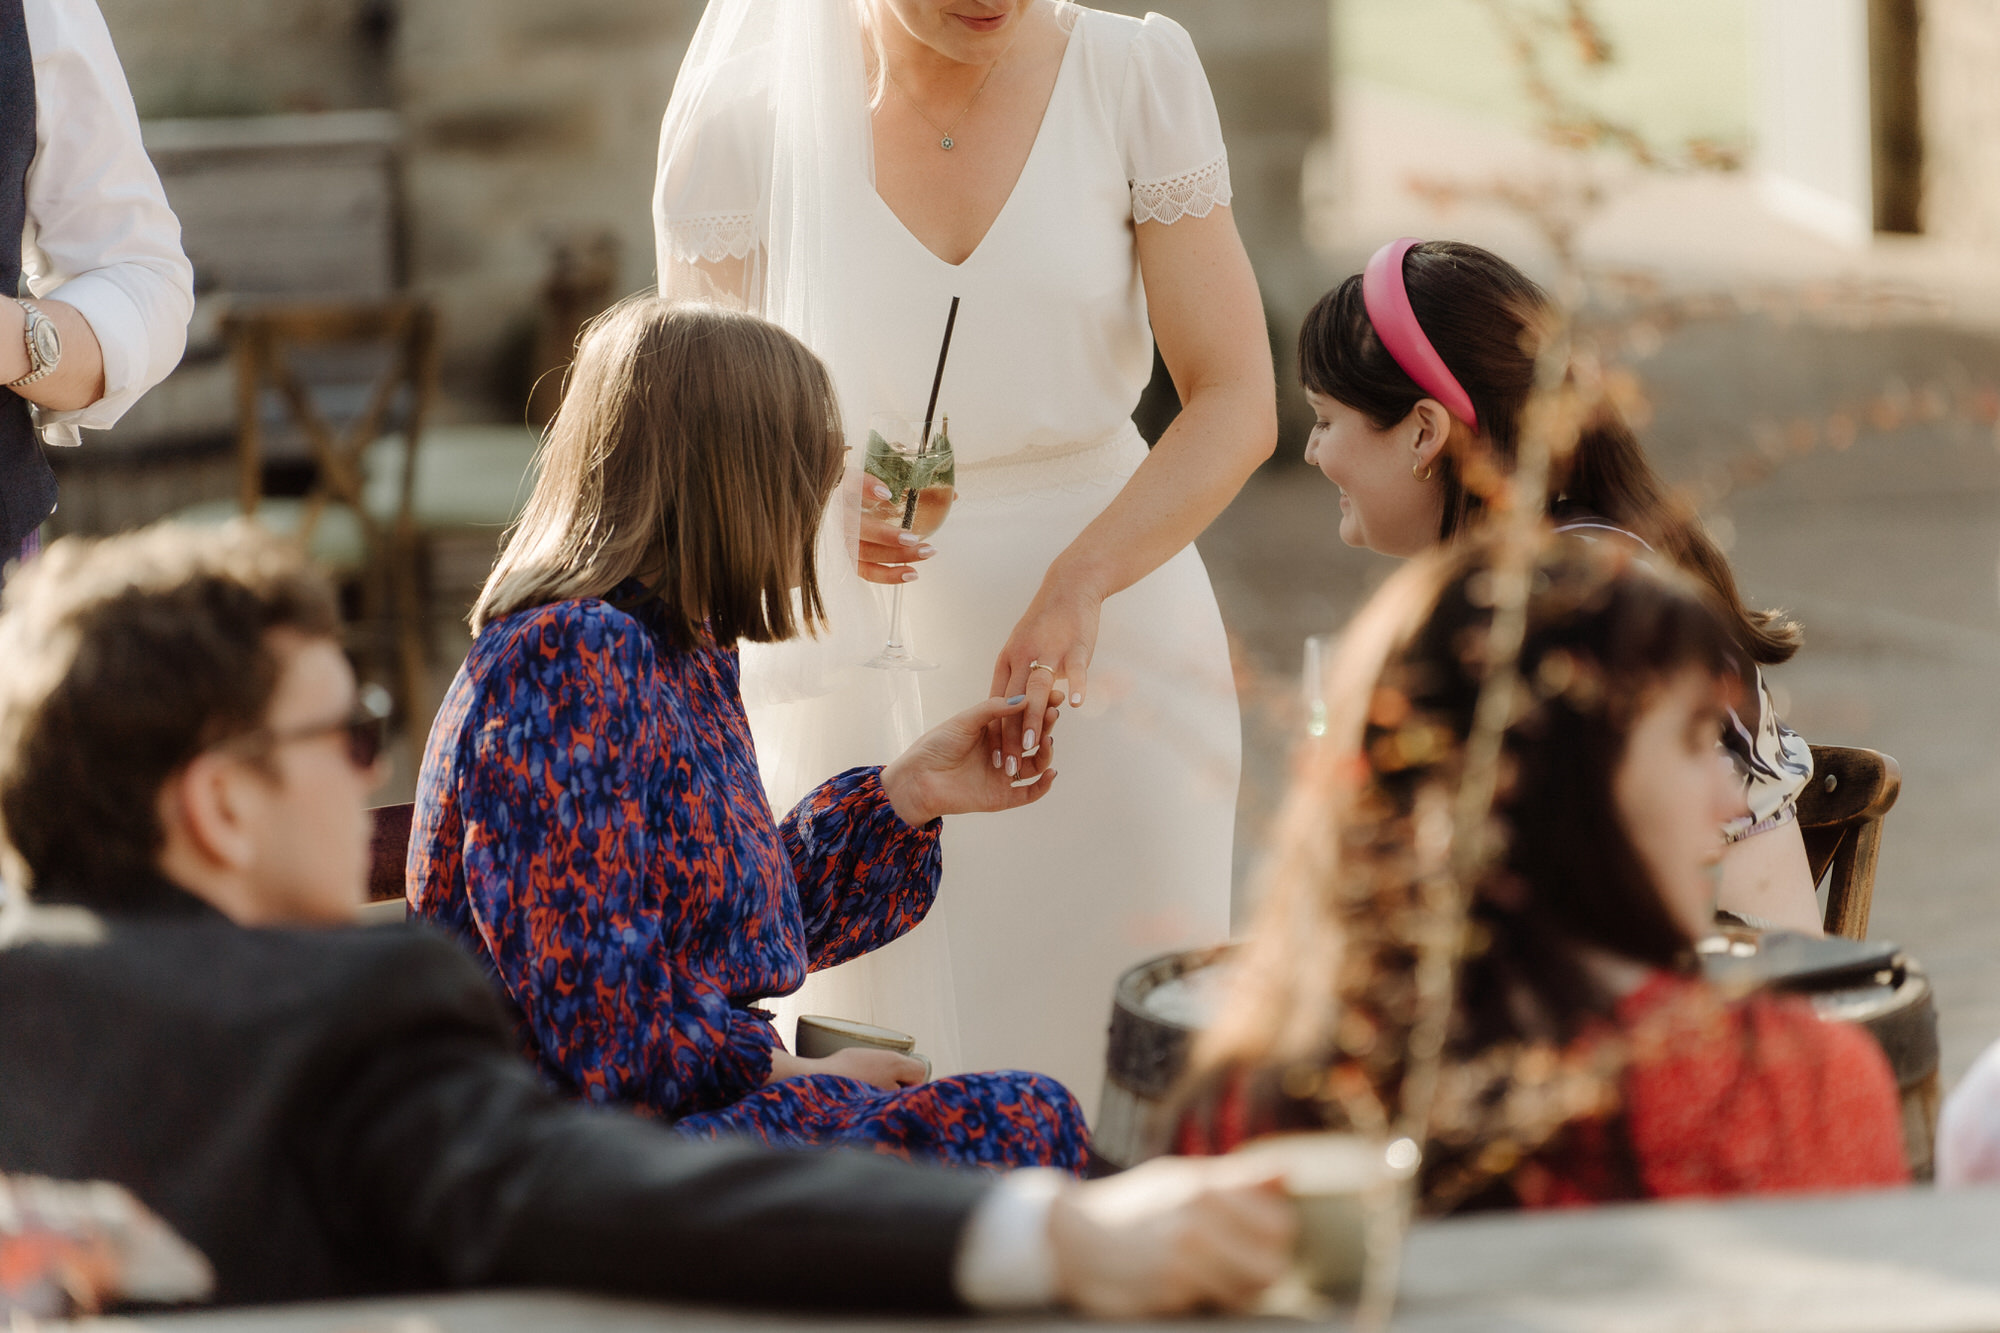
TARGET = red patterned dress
(1757,1096)
(591,824)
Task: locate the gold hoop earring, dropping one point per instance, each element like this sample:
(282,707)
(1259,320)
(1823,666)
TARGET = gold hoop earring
(1421,471)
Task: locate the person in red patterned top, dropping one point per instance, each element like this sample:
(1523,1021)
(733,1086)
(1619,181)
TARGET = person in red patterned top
(590,822)
(1585,1059)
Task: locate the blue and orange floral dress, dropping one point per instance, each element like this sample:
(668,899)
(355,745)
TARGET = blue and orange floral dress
(590,824)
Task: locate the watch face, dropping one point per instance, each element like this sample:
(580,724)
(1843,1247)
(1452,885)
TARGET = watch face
(48,343)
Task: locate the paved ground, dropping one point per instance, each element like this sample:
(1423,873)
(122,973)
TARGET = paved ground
(1886,550)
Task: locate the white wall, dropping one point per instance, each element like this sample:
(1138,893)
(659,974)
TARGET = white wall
(1812,148)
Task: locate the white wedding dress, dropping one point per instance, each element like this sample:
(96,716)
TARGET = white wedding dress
(1040,909)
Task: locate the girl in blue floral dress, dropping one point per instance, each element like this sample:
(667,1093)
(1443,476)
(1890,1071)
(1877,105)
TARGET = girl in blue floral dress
(590,820)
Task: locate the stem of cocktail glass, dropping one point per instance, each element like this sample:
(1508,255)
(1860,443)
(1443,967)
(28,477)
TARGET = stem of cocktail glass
(895,647)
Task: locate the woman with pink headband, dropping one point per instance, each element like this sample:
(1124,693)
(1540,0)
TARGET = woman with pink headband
(1418,367)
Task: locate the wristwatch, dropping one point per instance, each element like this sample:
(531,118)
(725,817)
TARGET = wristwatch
(44,345)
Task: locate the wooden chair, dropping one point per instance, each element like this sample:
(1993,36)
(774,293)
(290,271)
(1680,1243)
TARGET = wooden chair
(369,537)
(1840,817)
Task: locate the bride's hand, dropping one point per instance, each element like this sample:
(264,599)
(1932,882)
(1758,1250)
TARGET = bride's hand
(1056,639)
(886,552)
(947,771)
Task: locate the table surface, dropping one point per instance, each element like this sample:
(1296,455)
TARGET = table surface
(1913,1261)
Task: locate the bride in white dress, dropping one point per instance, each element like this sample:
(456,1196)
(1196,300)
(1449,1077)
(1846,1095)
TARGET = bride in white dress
(847,167)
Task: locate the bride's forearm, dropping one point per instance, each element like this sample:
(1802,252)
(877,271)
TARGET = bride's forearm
(1192,474)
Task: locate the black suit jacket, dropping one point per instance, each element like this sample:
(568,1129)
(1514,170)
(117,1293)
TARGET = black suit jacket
(341,1112)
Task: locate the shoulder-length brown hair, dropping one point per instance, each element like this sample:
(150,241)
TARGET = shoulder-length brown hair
(1485,317)
(695,449)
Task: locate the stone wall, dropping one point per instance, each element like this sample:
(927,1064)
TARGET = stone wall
(527,125)
(1959,56)
(253,57)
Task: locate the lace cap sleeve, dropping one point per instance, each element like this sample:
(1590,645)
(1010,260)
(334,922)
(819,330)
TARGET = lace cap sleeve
(1172,138)
(714,170)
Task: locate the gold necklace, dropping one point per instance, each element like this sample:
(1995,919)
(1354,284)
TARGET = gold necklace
(945,140)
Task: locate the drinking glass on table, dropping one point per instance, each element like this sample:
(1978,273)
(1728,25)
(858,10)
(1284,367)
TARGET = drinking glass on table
(1312,680)
(921,477)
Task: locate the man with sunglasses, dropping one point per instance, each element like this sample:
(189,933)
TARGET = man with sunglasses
(327,1112)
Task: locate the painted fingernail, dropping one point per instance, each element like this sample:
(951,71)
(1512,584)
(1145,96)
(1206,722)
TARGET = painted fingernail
(1013,766)
(879,491)
(1031,751)
(909,576)
(996,759)
(1076,700)
(908,538)
(1027,742)
(927,551)
(1015,702)
(1027,782)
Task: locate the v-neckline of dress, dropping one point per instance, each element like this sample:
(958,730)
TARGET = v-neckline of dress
(1056,90)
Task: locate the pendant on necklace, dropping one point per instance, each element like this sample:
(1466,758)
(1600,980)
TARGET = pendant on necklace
(946,143)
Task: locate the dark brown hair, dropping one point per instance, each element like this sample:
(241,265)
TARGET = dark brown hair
(1328,977)
(1486,320)
(126,658)
(695,449)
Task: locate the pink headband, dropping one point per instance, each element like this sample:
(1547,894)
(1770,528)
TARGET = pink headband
(1388,303)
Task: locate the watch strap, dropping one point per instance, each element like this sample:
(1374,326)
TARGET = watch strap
(37,368)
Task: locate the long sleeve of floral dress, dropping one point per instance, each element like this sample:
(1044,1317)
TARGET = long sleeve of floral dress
(864,876)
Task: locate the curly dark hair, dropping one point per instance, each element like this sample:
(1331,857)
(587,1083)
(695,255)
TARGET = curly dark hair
(125,658)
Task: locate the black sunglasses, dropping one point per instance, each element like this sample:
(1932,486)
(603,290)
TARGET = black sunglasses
(366,726)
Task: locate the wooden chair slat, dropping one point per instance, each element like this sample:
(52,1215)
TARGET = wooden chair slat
(1840,820)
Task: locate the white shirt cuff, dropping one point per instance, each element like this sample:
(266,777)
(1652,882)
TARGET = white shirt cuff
(1006,1260)
(115,318)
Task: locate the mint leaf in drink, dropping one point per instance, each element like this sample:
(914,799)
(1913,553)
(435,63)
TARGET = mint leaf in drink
(886,465)
(933,469)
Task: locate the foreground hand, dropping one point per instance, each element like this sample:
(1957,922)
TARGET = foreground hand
(886,551)
(1060,633)
(947,772)
(1172,1235)
(886,1070)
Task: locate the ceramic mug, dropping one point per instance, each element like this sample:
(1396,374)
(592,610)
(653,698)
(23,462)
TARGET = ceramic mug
(819,1036)
(1352,1197)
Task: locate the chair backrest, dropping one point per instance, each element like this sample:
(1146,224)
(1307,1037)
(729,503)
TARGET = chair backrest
(264,336)
(388,850)
(1840,818)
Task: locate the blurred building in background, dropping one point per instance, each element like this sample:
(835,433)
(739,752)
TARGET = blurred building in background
(1868,133)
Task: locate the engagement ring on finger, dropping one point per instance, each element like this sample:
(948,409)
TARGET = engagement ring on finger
(1041,666)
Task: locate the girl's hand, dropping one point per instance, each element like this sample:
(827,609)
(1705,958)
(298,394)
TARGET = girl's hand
(887,1070)
(1046,657)
(886,552)
(947,771)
